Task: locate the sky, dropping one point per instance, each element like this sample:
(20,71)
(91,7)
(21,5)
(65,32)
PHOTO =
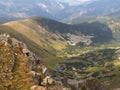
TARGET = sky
(75,2)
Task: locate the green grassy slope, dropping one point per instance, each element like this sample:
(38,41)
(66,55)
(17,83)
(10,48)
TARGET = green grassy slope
(36,48)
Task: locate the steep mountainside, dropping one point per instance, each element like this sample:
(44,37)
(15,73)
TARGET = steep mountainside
(49,36)
(87,33)
(112,21)
(33,46)
(113,24)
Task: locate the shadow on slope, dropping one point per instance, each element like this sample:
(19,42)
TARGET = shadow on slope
(101,32)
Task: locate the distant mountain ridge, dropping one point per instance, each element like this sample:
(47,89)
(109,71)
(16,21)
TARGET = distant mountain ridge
(27,8)
(17,9)
(99,8)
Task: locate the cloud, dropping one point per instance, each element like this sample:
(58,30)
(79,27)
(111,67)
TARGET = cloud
(75,2)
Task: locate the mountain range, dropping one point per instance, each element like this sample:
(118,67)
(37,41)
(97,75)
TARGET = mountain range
(54,9)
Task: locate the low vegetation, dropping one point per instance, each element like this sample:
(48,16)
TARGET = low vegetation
(13,72)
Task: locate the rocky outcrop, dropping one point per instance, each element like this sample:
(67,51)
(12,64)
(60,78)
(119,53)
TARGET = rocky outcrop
(73,39)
